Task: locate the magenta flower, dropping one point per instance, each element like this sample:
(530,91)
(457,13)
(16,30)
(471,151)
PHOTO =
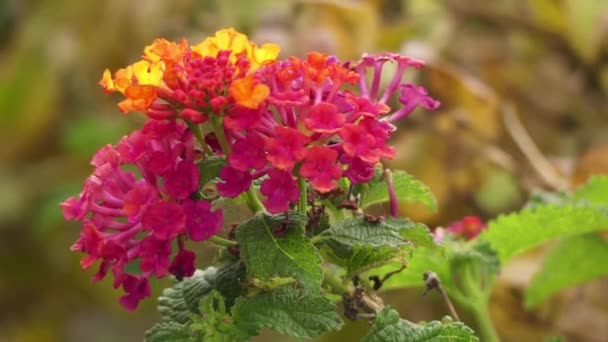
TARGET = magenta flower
(183,264)
(324,118)
(248,153)
(280,189)
(469,227)
(321,169)
(234,182)
(357,170)
(202,223)
(137,288)
(286,148)
(126,218)
(166,220)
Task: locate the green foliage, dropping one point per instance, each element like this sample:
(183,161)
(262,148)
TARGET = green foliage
(571,262)
(290,310)
(179,302)
(84,135)
(425,259)
(171,331)
(478,254)
(595,191)
(407,189)
(276,246)
(515,233)
(359,244)
(215,323)
(229,281)
(388,326)
(209,168)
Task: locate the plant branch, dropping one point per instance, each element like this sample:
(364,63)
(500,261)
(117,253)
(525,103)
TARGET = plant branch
(527,146)
(432,282)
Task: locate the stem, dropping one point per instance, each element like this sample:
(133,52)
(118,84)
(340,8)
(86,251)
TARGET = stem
(478,303)
(219,133)
(337,285)
(303,200)
(484,322)
(315,239)
(222,242)
(388,177)
(198,134)
(449,304)
(253,202)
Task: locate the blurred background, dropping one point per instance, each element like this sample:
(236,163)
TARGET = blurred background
(523,83)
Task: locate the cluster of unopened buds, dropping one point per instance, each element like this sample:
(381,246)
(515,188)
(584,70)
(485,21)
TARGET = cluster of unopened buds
(283,127)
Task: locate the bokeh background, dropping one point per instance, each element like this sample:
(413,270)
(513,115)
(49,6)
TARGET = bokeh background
(497,67)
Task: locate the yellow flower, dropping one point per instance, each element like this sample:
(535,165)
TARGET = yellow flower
(230,39)
(148,73)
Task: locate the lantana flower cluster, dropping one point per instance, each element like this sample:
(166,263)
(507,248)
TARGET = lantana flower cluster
(467,228)
(295,125)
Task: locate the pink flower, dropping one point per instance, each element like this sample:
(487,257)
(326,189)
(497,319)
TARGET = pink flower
(248,152)
(137,288)
(286,148)
(321,169)
(469,227)
(183,264)
(358,171)
(280,189)
(202,223)
(166,220)
(358,142)
(126,217)
(155,256)
(182,180)
(241,118)
(324,118)
(234,183)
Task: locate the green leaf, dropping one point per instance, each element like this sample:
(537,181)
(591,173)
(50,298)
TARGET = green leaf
(179,302)
(172,306)
(571,262)
(230,281)
(368,257)
(595,191)
(215,323)
(209,168)
(359,244)
(424,260)
(478,253)
(276,246)
(288,310)
(388,326)
(515,233)
(407,189)
(197,287)
(163,332)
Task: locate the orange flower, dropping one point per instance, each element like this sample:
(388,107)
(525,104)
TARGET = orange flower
(122,79)
(138,82)
(247,93)
(138,98)
(163,50)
